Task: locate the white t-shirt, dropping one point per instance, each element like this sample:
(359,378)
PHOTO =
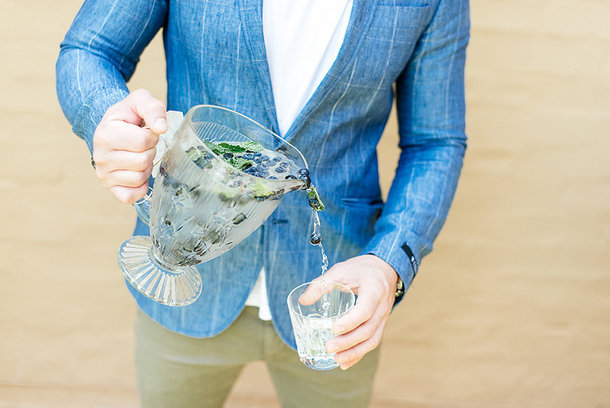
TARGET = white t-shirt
(302,39)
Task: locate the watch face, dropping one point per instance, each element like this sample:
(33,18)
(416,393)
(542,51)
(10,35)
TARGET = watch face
(400,288)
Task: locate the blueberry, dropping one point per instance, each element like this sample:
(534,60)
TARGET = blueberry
(263,165)
(307,180)
(227,155)
(265,158)
(277,159)
(315,239)
(272,178)
(280,170)
(304,171)
(258,154)
(248,156)
(290,177)
(257,160)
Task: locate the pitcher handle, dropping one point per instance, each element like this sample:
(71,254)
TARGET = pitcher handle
(142,207)
(174,120)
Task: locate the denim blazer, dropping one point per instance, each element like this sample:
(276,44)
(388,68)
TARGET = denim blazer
(215,54)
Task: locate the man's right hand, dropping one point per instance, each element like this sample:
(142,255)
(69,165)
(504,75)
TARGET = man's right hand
(124,144)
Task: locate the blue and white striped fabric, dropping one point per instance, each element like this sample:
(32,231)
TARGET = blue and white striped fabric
(216,55)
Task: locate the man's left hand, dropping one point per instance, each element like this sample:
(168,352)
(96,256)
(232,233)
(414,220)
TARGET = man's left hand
(361,329)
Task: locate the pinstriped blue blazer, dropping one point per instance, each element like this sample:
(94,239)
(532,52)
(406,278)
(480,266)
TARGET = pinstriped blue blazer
(413,50)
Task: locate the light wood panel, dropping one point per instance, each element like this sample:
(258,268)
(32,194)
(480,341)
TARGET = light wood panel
(511,310)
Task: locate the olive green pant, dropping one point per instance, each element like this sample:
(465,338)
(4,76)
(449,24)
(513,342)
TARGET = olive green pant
(178,371)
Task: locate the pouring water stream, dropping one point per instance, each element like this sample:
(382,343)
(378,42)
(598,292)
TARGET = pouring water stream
(316,239)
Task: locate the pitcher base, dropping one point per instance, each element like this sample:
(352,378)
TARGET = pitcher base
(179,287)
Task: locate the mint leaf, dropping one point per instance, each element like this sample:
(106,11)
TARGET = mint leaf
(226,147)
(240,163)
(193,153)
(314,200)
(261,189)
(214,147)
(241,147)
(231,148)
(252,146)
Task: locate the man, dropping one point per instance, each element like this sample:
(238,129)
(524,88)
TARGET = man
(322,75)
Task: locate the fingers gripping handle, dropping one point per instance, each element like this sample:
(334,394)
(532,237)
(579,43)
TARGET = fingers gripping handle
(174,120)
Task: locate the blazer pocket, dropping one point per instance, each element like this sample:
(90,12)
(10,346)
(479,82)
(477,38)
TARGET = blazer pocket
(365,203)
(404,3)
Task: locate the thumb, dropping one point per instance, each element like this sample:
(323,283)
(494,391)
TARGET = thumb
(151,110)
(313,292)
(338,273)
(318,287)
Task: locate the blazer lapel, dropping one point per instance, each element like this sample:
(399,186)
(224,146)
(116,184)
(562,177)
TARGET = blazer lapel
(251,14)
(359,22)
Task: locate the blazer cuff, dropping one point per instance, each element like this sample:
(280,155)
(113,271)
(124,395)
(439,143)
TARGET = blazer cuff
(93,108)
(399,253)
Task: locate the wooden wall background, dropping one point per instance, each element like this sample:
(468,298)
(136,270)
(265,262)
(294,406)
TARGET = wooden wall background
(511,310)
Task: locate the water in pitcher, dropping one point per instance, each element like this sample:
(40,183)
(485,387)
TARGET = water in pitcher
(237,198)
(221,175)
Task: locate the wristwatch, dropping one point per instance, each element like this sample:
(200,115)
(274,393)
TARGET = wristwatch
(400,289)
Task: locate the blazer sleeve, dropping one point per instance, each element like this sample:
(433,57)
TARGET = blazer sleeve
(431,119)
(99,55)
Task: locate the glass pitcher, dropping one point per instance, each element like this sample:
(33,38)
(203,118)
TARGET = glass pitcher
(220,176)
